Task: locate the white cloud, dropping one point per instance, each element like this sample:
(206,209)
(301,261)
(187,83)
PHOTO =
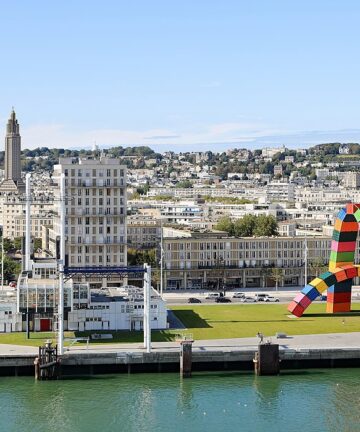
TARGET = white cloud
(57,135)
(215,137)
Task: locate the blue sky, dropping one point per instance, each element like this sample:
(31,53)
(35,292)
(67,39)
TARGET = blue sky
(183,75)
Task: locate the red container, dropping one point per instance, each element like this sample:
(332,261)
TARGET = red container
(338,307)
(343,246)
(341,276)
(351,208)
(350,272)
(341,297)
(296,309)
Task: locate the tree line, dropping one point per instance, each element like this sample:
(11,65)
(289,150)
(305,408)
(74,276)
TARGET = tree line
(249,226)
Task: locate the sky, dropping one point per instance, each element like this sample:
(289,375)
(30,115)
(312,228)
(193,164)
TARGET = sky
(189,75)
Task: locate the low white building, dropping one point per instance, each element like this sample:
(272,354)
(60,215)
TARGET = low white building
(118,309)
(10,319)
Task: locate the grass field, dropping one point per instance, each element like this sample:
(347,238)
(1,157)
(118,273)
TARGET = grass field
(224,322)
(236,321)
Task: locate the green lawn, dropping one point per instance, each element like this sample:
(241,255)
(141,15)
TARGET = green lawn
(36,339)
(236,321)
(225,321)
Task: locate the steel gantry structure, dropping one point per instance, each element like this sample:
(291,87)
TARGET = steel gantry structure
(66,272)
(124,272)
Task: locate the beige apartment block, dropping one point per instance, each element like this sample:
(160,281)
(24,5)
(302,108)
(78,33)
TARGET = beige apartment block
(95,214)
(210,260)
(143,232)
(13,215)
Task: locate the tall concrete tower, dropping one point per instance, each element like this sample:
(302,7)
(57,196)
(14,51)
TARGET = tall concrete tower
(12,181)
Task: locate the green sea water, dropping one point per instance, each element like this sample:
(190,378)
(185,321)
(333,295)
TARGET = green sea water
(316,400)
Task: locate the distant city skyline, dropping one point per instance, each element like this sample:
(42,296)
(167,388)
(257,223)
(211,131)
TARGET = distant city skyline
(191,76)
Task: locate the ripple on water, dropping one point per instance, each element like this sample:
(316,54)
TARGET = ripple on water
(316,401)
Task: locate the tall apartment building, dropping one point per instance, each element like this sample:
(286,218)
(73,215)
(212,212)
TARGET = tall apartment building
(95,214)
(12,181)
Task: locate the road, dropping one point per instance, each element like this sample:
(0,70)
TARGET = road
(285,295)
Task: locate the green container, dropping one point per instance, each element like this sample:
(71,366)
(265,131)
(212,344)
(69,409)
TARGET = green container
(342,256)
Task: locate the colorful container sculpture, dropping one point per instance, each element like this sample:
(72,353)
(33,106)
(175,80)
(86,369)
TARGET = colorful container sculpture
(338,280)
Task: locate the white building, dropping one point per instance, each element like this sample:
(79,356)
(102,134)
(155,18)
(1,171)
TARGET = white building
(10,319)
(118,309)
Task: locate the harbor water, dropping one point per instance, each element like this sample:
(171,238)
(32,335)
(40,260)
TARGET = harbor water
(316,400)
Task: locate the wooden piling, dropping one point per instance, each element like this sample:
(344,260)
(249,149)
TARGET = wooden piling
(47,364)
(186,358)
(267,359)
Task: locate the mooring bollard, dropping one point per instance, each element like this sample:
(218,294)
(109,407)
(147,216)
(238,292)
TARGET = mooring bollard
(47,364)
(186,357)
(267,361)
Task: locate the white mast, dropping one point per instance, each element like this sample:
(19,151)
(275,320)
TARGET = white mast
(147,308)
(61,266)
(161,260)
(27,223)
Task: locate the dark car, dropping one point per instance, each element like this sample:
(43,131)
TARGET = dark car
(223,300)
(194,300)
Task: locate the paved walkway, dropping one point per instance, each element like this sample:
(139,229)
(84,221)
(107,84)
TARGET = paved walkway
(325,341)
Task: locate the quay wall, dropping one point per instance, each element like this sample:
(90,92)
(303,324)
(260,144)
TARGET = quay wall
(87,363)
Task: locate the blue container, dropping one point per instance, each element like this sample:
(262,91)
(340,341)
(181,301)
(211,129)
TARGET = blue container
(310,292)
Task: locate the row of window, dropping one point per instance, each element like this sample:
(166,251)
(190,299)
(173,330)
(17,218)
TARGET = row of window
(96,240)
(316,244)
(97,249)
(97,259)
(80,172)
(100,220)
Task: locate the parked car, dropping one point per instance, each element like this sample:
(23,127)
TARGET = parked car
(261,296)
(223,300)
(212,295)
(239,295)
(194,300)
(271,299)
(248,300)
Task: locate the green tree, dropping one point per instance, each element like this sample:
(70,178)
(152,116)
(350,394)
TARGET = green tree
(245,226)
(277,275)
(18,243)
(225,224)
(8,245)
(37,244)
(185,184)
(143,190)
(139,257)
(317,266)
(12,268)
(265,226)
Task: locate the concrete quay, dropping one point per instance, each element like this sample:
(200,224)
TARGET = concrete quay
(300,352)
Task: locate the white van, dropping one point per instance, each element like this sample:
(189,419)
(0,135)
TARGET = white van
(261,297)
(212,295)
